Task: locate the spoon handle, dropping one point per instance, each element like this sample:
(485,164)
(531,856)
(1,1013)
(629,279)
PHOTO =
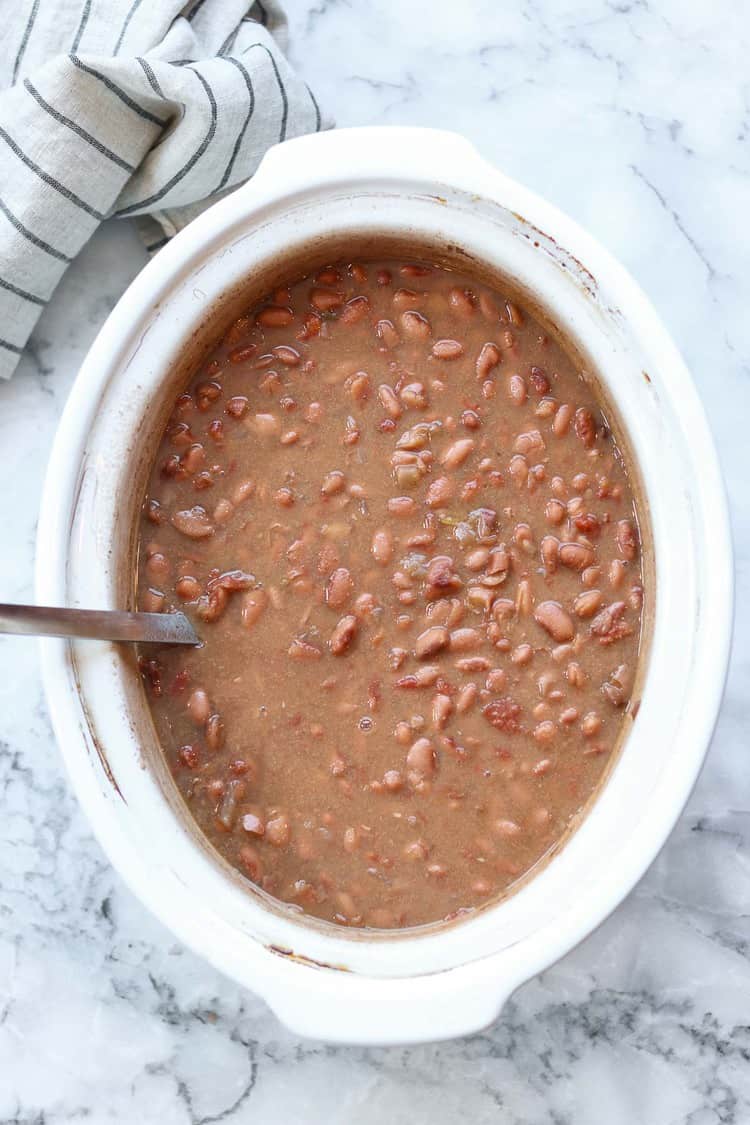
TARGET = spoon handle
(98,624)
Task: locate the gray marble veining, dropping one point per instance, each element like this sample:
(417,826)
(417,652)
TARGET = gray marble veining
(633,116)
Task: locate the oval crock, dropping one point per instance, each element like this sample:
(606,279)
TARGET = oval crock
(431,187)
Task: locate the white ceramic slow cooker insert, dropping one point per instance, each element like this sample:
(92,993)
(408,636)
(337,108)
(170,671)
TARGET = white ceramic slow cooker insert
(311,197)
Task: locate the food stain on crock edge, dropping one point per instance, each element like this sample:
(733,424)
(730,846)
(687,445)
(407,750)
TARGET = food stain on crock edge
(90,737)
(562,257)
(587,279)
(308,962)
(537,236)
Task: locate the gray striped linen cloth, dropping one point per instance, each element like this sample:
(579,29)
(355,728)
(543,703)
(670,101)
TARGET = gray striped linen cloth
(149,108)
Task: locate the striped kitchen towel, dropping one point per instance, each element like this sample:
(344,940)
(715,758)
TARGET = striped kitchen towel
(128,107)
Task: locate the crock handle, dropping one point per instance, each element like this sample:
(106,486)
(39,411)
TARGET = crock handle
(381,152)
(386,1012)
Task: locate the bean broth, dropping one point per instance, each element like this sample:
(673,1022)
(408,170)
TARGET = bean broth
(397,516)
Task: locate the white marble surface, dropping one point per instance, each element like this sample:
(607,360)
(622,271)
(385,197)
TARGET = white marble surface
(632,115)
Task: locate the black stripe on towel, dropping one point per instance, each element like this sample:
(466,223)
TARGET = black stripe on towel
(39,242)
(251,109)
(154,246)
(196,8)
(153,81)
(229,41)
(193,159)
(63,120)
(317,108)
(81,26)
(45,176)
(133,9)
(119,92)
(34,300)
(24,41)
(282,87)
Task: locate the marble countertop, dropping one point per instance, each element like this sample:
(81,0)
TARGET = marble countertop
(633,116)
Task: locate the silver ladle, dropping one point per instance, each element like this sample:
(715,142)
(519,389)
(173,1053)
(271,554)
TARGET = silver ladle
(98,624)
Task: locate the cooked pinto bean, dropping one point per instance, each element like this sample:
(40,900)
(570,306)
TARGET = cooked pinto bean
(585,426)
(440,493)
(275,316)
(463,640)
(447,349)
(290,357)
(326,300)
(420,760)
(355,310)
(530,442)
(627,541)
(457,453)
(552,617)
(415,325)
(587,604)
(442,707)
(460,301)
(188,589)
(591,724)
(152,601)
(563,418)
(339,588)
(389,401)
(517,390)
(416,570)
(278,831)
(240,355)
(576,556)
(549,550)
(413,395)
(610,625)
(487,360)
(401,506)
(524,598)
(193,523)
(199,707)
(215,733)
(387,334)
(382,545)
(343,635)
(252,607)
(333,482)
(303,650)
(432,640)
(211,605)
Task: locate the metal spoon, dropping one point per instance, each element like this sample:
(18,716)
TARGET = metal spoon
(98,624)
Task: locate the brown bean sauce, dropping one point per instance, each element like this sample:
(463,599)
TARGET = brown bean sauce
(393,509)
